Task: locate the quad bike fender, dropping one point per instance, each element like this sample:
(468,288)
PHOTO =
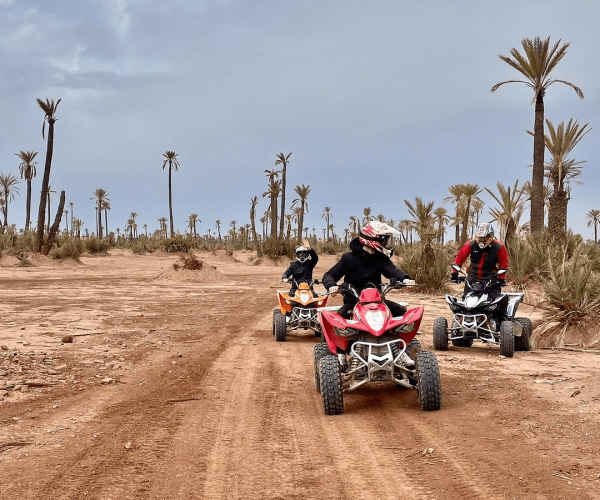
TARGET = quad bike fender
(514,299)
(282,298)
(329,322)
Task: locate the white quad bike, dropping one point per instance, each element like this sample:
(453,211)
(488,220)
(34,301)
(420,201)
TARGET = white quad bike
(479,317)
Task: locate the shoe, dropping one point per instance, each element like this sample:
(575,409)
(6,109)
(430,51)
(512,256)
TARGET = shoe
(406,361)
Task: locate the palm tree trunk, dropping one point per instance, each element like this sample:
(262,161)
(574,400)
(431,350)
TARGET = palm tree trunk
(55,226)
(282,199)
(537,181)
(106,220)
(170,204)
(45,183)
(28,205)
(557,215)
(100,235)
(300,223)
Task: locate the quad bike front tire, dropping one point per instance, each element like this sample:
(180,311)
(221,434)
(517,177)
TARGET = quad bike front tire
(523,343)
(413,348)
(429,385)
(507,339)
(279,326)
(440,334)
(320,350)
(331,385)
(462,342)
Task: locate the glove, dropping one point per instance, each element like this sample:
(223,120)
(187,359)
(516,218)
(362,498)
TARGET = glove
(454,278)
(501,281)
(333,289)
(344,286)
(408,281)
(284,280)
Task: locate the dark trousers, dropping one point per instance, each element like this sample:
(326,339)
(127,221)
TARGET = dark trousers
(396,309)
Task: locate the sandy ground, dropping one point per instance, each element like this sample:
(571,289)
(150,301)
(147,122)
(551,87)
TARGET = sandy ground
(174,387)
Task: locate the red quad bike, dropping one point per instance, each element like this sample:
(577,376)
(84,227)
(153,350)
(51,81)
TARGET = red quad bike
(298,311)
(373,346)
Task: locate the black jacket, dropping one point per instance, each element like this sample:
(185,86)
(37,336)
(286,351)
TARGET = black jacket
(302,270)
(359,267)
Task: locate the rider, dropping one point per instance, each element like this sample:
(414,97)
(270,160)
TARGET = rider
(368,259)
(302,268)
(489,259)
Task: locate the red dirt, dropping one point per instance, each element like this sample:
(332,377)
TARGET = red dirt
(177,389)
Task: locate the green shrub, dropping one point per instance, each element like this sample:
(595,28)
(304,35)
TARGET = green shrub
(94,245)
(67,247)
(430,269)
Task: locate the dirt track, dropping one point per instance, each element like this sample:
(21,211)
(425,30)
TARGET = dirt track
(179,390)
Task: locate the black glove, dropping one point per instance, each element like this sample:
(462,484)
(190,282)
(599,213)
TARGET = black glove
(501,281)
(344,287)
(454,278)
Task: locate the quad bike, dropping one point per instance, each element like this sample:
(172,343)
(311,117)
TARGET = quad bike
(479,317)
(373,346)
(299,310)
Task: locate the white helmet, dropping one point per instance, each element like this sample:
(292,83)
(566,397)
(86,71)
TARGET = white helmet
(377,235)
(484,234)
(302,254)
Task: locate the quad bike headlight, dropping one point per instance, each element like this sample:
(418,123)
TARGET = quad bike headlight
(492,307)
(406,328)
(304,297)
(375,319)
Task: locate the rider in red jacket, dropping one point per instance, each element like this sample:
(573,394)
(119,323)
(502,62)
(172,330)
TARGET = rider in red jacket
(489,259)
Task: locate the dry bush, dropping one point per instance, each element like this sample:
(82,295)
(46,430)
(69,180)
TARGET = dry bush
(431,269)
(189,262)
(67,247)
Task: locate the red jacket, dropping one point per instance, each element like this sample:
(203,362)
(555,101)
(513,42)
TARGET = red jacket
(485,262)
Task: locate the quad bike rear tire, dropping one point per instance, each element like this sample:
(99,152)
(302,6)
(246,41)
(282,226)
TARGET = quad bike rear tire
(507,339)
(279,326)
(440,334)
(462,342)
(320,350)
(331,385)
(523,343)
(429,385)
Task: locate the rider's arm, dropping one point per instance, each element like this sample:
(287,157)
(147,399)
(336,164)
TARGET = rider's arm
(391,271)
(314,258)
(463,253)
(502,261)
(336,273)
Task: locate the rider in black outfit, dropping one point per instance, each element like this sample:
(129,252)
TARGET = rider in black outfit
(368,259)
(302,268)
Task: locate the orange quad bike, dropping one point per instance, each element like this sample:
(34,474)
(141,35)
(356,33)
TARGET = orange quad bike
(298,311)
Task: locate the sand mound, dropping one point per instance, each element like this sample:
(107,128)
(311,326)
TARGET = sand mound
(39,260)
(207,274)
(9,261)
(221,256)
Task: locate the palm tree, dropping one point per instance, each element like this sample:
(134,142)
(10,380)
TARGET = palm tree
(424,220)
(133,225)
(145,226)
(442,218)
(71,205)
(327,215)
(106,207)
(76,227)
(163,226)
(232,224)
(367,215)
(49,190)
(560,142)
(171,160)
(535,65)
(192,219)
(100,195)
(8,188)
(66,212)
(49,108)
(302,192)
(456,191)
(469,194)
(282,160)
(218,224)
(511,202)
(28,172)
(253,203)
(353,225)
(273,192)
(594,219)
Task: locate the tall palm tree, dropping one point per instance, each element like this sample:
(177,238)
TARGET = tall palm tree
(536,64)
(218,224)
(424,220)
(470,193)
(253,203)
(28,172)
(232,224)
(594,219)
(49,108)
(192,219)
(327,215)
(511,205)
(163,226)
(171,160)
(71,205)
(106,207)
(367,215)
(100,195)
(8,188)
(353,225)
(76,227)
(441,218)
(48,191)
(66,212)
(456,191)
(302,192)
(282,160)
(273,192)
(560,142)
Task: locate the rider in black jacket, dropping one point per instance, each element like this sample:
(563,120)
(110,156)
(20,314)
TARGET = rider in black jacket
(368,259)
(302,268)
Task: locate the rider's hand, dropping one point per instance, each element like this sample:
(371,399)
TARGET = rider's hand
(501,281)
(333,289)
(409,282)
(284,280)
(305,243)
(454,278)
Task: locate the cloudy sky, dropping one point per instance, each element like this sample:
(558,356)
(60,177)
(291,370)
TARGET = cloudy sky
(379,101)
